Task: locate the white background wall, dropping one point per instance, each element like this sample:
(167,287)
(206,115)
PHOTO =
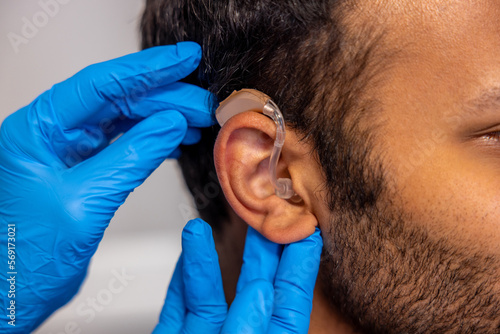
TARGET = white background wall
(143,239)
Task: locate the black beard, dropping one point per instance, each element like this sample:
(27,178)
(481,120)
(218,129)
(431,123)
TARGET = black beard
(385,274)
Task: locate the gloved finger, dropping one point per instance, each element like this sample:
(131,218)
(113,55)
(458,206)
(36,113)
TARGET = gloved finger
(294,285)
(80,144)
(193,135)
(174,309)
(90,144)
(260,259)
(102,85)
(204,294)
(108,177)
(192,101)
(90,137)
(175,154)
(119,127)
(77,146)
(251,310)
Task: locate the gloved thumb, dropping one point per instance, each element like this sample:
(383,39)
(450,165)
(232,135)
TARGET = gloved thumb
(108,177)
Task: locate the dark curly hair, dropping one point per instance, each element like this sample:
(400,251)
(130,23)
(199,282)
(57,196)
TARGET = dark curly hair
(305,56)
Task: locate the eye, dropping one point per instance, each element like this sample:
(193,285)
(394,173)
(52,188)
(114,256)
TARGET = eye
(492,136)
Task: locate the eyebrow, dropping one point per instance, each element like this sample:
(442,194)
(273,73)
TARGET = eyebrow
(487,100)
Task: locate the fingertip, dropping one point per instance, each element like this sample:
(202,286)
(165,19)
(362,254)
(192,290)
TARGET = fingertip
(316,238)
(169,123)
(312,245)
(193,135)
(313,241)
(189,50)
(197,230)
(194,102)
(176,154)
(259,245)
(198,244)
(169,127)
(171,119)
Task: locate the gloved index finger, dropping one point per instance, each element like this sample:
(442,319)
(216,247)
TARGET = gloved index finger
(99,87)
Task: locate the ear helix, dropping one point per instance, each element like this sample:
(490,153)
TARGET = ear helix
(251,99)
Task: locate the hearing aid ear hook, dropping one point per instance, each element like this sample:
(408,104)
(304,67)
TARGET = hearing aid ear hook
(254,100)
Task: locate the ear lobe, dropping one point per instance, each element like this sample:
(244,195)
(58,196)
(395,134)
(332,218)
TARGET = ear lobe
(241,154)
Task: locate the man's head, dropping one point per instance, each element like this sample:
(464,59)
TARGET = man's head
(394,145)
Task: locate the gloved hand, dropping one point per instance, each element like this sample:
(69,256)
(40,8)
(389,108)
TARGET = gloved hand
(60,182)
(274,291)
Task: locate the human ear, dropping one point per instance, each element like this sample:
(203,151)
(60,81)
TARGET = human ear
(242,154)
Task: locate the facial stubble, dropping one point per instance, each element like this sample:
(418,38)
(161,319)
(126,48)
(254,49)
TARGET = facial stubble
(385,273)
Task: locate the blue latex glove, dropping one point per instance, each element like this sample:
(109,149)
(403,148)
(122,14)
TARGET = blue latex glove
(60,182)
(274,292)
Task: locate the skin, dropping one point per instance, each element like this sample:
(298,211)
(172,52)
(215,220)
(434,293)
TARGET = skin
(444,152)
(437,140)
(427,257)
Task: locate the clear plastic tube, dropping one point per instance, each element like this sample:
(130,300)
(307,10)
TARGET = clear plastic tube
(282,186)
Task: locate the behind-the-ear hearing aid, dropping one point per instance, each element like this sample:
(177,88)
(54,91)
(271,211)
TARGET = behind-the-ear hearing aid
(254,100)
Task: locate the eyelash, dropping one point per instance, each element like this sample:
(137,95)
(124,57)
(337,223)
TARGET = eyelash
(495,136)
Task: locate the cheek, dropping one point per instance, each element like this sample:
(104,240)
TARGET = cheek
(455,198)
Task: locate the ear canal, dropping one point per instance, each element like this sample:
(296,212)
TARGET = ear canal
(284,188)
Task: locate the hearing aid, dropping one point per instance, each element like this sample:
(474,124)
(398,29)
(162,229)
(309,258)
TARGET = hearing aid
(254,100)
